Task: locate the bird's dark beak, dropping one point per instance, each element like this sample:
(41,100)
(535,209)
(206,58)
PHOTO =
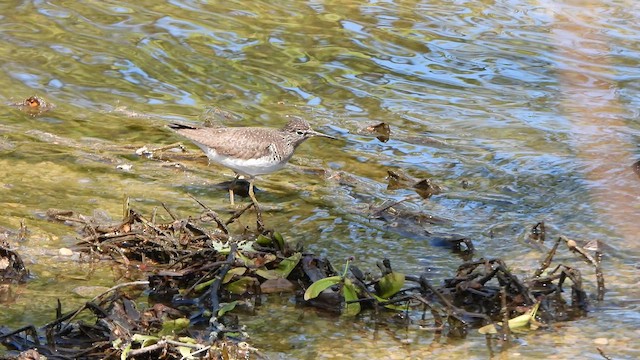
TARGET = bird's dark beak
(319,134)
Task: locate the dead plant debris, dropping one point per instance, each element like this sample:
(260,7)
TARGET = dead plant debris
(200,276)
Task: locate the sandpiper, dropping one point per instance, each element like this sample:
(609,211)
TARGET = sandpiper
(250,151)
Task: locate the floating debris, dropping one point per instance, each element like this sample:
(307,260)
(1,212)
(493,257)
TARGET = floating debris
(427,188)
(538,233)
(146,151)
(124,167)
(455,242)
(424,187)
(34,105)
(382,130)
(12,269)
(398,180)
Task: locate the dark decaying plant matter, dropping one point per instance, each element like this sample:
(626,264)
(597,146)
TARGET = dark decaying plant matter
(200,275)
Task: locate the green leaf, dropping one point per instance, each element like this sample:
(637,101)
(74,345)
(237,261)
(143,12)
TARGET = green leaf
(173,327)
(350,293)
(227,307)
(187,340)
(239,271)
(144,340)
(245,260)
(284,268)
(390,284)
(523,320)
(287,265)
(263,240)
(203,285)
(319,286)
(516,323)
(268,274)
(185,352)
(241,285)
(279,240)
(125,352)
(488,329)
(116,344)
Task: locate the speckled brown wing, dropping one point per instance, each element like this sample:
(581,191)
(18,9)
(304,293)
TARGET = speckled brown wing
(240,142)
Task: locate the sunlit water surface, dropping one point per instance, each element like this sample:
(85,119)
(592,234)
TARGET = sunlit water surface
(524,111)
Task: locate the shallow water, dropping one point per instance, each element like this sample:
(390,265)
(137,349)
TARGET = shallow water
(533,104)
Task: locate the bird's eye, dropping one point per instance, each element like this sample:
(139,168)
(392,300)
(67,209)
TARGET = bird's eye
(300,132)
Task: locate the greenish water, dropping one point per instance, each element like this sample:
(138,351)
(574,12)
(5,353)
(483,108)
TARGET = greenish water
(534,104)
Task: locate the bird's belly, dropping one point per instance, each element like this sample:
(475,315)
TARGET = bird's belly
(250,167)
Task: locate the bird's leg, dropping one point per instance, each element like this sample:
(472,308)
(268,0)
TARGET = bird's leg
(252,195)
(259,221)
(231,187)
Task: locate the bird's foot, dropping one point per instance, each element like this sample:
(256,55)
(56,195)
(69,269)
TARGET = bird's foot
(259,222)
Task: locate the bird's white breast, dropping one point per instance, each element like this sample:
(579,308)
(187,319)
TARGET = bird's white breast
(250,167)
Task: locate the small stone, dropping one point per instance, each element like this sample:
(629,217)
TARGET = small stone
(277,286)
(65,252)
(142,151)
(601,341)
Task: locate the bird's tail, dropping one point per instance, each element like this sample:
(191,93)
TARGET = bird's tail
(176,126)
